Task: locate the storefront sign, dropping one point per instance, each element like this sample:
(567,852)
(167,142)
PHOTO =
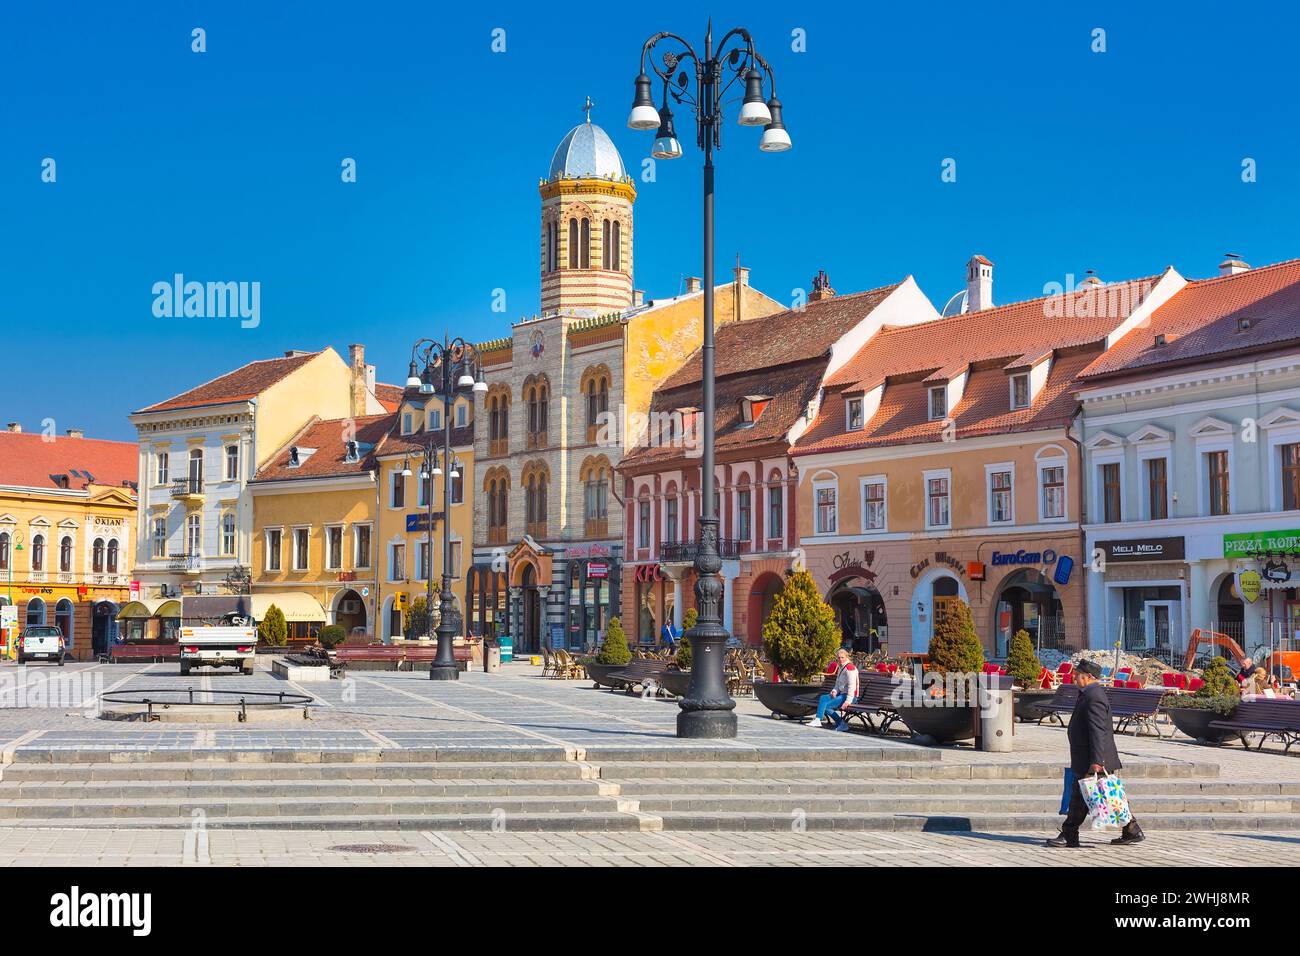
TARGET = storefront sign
(1143,549)
(975,570)
(646,573)
(1248,584)
(595,551)
(1046,556)
(940,557)
(1276,571)
(420,522)
(9,615)
(597,569)
(1064,565)
(1260,542)
(135,590)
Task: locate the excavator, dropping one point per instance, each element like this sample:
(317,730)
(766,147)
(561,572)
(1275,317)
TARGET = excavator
(1286,664)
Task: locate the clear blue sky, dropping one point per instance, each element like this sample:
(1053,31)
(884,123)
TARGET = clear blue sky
(225,165)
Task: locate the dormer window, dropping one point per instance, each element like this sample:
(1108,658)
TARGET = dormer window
(1020,391)
(938,403)
(351,451)
(294,460)
(406,423)
(1243,323)
(853,414)
(751,406)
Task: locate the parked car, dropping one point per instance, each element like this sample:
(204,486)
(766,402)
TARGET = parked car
(42,642)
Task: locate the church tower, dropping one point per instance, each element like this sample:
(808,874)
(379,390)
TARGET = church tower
(586,238)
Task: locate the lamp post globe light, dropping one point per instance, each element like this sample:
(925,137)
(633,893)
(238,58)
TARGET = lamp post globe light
(444,370)
(707,711)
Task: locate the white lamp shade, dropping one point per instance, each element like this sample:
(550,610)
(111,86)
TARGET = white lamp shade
(426,388)
(437,472)
(667,147)
(755,114)
(455,475)
(413,382)
(406,473)
(643,117)
(775,140)
(465,381)
(480,387)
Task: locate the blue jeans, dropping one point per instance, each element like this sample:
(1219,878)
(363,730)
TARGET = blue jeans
(829,702)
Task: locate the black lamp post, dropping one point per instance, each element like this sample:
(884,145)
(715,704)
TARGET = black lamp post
(444,370)
(707,709)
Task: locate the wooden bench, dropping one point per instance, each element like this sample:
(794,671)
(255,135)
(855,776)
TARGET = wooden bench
(875,700)
(1136,707)
(638,674)
(1128,705)
(813,699)
(1267,717)
(399,655)
(119,653)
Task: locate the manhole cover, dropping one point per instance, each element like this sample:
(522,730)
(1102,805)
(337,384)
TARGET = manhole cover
(372,848)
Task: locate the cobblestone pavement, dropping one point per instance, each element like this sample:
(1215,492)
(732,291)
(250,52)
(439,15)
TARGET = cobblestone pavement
(316,848)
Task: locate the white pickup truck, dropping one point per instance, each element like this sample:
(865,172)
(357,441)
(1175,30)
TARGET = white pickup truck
(41,642)
(217,632)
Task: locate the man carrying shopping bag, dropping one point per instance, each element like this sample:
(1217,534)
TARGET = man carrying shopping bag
(1092,750)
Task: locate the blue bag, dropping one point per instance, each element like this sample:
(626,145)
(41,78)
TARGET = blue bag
(1068,789)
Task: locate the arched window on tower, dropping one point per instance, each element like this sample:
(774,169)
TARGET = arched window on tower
(573,243)
(586,243)
(553,248)
(616,248)
(604,244)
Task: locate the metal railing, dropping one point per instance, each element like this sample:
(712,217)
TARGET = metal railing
(684,552)
(183,487)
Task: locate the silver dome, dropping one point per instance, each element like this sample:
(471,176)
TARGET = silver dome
(587,152)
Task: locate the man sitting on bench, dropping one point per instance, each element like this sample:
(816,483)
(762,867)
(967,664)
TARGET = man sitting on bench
(845,690)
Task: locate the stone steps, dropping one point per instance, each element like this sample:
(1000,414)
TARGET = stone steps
(612,788)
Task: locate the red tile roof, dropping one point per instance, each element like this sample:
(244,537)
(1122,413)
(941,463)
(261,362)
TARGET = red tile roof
(1200,323)
(395,443)
(31,461)
(783,337)
(909,359)
(390,396)
(242,384)
(329,459)
(1010,331)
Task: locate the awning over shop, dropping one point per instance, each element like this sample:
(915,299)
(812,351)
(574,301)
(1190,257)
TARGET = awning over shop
(296,605)
(169,608)
(146,608)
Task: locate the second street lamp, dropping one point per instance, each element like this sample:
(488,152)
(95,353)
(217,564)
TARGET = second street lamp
(445,370)
(707,710)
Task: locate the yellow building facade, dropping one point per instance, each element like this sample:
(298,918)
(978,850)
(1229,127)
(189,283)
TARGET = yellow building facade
(65,540)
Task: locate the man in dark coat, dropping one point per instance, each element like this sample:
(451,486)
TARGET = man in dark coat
(1092,750)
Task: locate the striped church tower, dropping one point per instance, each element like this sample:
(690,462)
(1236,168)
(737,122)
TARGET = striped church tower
(586,226)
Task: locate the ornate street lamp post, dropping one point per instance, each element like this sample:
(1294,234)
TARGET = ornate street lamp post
(444,370)
(707,710)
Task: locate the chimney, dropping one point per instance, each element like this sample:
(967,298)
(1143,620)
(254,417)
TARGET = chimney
(638,298)
(15,427)
(75,433)
(979,284)
(692,284)
(821,287)
(1090,281)
(1232,264)
(738,292)
(356,380)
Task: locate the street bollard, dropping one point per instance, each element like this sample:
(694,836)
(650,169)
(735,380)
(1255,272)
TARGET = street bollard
(996,713)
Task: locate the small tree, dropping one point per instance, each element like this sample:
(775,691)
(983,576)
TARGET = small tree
(332,635)
(800,635)
(614,650)
(1022,663)
(955,647)
(1219,681)
(273,630)
(417,621)
(683,657)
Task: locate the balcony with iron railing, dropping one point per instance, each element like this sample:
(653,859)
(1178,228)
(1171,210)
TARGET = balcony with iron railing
(187,488)
(187,563)
(684,552)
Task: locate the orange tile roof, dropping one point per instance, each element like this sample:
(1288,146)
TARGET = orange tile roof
(794,335)
(986,344)
(327,436)
(1200,323)
(243,383)
(31,461)
(390,396)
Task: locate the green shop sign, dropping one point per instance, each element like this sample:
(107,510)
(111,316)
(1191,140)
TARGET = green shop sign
(1260,542)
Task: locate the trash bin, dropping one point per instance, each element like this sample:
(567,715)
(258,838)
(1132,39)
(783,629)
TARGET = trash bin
(491,657)
(996,713)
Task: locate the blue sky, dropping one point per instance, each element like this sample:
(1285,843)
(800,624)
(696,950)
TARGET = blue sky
(225,165)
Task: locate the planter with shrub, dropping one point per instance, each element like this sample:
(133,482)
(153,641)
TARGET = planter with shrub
(1193,713)
(799,638)
(612,656)
(956,653)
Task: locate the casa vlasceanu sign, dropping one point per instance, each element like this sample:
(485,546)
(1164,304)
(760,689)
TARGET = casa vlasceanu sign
(1260,542)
